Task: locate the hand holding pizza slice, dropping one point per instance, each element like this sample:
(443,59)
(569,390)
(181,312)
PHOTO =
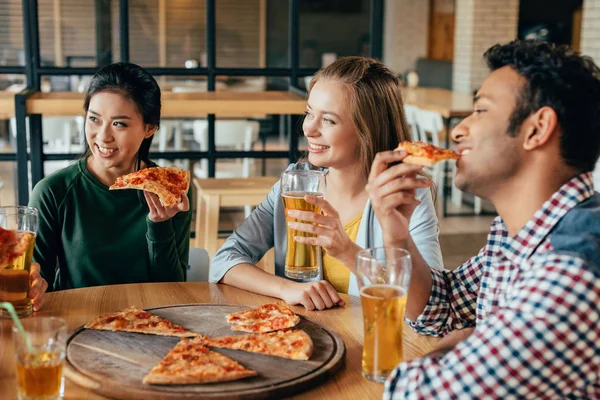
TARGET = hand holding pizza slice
(421,153)
(167,183)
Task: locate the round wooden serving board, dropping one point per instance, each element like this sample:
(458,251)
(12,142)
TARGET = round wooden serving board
(113,363)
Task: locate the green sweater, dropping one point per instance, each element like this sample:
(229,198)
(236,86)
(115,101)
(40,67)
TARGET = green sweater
(90,236)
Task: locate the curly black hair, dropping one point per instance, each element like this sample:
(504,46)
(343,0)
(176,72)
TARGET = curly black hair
(560,78)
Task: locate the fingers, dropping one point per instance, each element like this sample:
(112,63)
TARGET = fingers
(392,201)
(184,205)
(398,185)
(333,294)
(395,172)
(151,201)
(38,286)
(321,202)
(309,216)
(381,161)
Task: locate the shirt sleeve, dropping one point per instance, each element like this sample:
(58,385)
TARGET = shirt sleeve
(48,233)
(169,246)
(541,342)
(250,241)
(424,230)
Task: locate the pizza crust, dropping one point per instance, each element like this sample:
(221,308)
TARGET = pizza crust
(427,162)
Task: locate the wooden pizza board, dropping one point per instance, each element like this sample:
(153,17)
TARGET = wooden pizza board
(113,364)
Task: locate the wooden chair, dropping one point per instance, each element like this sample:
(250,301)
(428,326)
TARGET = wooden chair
(213,193)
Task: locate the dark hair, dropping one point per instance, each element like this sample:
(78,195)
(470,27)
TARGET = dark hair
(136,84)
(560,78)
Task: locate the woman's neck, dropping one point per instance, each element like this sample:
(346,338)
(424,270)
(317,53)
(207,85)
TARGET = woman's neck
(108,176)
(346,183)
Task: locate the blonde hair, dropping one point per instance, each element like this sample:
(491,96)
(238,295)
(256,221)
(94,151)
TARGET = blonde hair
(376,105)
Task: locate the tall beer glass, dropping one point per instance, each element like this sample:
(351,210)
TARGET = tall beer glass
(383,276)
(301,260)
(14,278)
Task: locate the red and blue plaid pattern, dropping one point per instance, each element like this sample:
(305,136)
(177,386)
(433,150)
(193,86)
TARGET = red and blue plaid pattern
(536,312)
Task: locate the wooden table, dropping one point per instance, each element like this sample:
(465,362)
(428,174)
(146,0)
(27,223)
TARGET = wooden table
(447,103)
(180,105)
(78,306)
(213,193)
(7,105)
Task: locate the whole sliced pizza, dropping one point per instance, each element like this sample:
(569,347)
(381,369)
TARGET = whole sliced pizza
(266,318)
(133,319)
(292,344)
(421,153)
(190,361)
(167,183)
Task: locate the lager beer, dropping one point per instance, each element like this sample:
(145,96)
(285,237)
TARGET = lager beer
(301,260)
(383,318)
(383,277)
(14,278)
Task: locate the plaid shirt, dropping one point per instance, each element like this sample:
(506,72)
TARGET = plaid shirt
(535,301)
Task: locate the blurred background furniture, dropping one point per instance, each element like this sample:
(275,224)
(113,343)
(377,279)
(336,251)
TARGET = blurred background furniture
(213,193)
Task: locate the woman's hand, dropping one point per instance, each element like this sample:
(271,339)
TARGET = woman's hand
(37,286)
(159,213)
(312,295)
(393,193)
(330,232)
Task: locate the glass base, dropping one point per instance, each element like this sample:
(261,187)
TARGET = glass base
(303,275)
(375,377)
(23,309)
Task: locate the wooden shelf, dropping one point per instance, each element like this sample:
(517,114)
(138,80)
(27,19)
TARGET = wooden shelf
(224,104)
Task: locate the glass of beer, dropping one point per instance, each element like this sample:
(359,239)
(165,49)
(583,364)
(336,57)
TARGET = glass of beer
(301,260)
(14,278)
(40,373)
(383,276)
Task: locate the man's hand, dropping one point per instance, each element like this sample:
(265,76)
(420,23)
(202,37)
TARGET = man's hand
(393,194)
(37,286)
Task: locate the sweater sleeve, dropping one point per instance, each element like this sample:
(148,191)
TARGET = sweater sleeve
(424,230)
(250,241)
(169,246)
(47,241)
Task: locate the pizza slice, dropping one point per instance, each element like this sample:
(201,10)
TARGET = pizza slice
(191,362)
(292,344)
(166,183)
(13,244)
(421,153)
(266,318)
(133,319)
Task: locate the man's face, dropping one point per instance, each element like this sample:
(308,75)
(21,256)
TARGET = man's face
(490,156)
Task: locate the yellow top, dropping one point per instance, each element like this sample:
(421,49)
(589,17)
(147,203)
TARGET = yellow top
(334,271)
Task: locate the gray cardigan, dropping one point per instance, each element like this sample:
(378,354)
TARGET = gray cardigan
(266,228)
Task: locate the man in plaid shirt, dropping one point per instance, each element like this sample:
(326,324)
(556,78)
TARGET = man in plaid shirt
(521,319)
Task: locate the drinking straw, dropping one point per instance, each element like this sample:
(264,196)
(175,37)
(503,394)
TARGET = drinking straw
(11,310)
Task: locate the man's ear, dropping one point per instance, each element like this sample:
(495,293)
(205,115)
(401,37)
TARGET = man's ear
(540,127)
(150,130)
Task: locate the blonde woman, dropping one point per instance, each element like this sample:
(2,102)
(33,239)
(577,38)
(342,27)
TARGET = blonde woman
(354,110)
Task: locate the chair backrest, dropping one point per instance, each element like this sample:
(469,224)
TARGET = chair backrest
(430,125)
(412,120)
(238,134)
(199,263)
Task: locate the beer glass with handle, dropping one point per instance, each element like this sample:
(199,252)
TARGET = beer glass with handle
(301,260)
(14,278)
(383,276)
